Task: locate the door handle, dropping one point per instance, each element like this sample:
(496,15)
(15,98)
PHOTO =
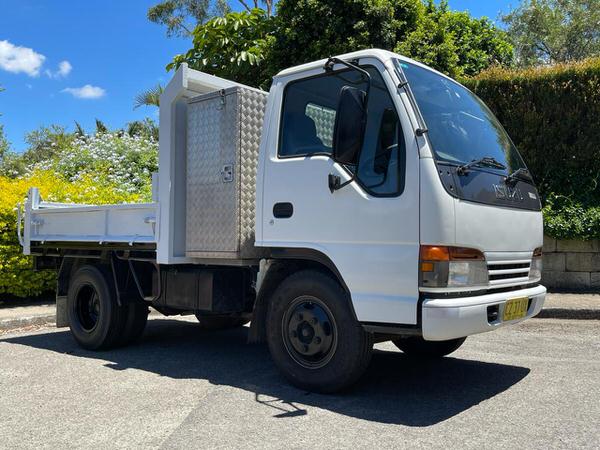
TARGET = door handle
(283,210)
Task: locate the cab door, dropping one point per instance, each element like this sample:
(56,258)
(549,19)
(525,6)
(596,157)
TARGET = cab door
(369,228)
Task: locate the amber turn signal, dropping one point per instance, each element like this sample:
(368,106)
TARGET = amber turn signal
(443,253)
(427,267)
(434,253)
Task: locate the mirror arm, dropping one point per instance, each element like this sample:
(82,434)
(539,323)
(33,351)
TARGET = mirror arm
(335,182)
(333,61)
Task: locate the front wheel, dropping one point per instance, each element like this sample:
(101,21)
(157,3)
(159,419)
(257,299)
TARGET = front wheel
(313,336)
(416,346)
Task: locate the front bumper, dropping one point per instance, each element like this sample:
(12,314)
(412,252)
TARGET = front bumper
(450,318)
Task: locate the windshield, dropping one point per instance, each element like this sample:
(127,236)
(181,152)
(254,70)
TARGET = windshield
(460,127)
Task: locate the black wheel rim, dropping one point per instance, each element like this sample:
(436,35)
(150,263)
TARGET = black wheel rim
(87,307)
(309,332)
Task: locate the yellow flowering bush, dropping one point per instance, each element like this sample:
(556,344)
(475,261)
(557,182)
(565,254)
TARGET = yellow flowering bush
(16,275)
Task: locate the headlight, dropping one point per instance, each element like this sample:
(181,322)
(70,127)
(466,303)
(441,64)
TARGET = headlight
(441,266)
(535,270)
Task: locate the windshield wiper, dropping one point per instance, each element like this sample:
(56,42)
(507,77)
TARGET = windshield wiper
(486,161)
(519,174)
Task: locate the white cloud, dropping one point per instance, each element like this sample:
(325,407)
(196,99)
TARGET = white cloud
(17,59)
(64,68)
(87,91)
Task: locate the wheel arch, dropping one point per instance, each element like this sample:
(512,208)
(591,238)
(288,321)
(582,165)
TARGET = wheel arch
(282,263)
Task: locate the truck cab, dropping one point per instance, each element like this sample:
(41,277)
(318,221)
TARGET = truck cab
(389,204)
(419,238)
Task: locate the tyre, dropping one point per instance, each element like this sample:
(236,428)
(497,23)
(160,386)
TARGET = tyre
(213,323)
(312,334)
(418,347)
(136,317)
(95,318)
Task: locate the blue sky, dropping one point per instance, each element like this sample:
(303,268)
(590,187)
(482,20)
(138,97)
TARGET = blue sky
(68,60)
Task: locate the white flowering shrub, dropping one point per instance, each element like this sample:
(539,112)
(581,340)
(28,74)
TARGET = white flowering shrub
(112,158)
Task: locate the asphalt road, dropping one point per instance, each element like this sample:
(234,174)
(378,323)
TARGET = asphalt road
(535,385)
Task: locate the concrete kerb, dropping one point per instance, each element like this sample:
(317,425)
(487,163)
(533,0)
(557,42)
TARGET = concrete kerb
(27,321)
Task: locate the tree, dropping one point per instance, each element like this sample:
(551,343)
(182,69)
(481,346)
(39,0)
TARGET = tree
(553,31)
(182,16)
(452,42)
(146,128)
(4,144)
(455,43)
(312,29)
(232,46)
(250,47)
(44,142)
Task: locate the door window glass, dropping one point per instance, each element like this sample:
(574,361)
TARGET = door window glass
(308,120)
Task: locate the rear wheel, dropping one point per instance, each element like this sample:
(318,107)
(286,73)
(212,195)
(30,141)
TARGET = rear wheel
(416,346)
(95,318)
(313,336)
(208,322)
(136,317)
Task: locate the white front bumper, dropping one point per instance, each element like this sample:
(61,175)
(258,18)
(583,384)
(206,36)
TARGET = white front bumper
(444,319)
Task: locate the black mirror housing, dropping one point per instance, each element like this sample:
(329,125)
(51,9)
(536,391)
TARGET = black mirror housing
(349,128)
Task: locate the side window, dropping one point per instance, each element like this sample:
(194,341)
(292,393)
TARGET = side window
(324,119)
(383,156)
(308,118)
(309,115)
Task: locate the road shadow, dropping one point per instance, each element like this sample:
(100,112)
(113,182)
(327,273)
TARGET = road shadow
(395,389)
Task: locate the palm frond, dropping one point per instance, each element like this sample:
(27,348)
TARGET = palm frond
(149,97)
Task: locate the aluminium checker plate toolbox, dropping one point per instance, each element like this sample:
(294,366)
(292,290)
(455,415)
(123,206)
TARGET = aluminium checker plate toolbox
(223,137)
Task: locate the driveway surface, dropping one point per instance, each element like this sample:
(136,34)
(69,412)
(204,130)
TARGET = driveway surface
(534,385)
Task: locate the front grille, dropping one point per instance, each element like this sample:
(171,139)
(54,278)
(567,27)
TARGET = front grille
(508,272)
(500,266)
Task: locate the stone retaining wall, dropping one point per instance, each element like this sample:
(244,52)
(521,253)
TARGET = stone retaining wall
(571,264)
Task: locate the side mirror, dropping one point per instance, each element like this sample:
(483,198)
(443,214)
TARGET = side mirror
(349,128)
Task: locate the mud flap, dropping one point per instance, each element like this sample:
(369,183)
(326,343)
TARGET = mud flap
(62,315)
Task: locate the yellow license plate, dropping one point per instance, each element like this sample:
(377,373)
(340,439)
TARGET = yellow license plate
(515,308)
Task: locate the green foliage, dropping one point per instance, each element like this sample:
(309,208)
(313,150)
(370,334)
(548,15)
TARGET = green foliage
(312,29)
(149,97)
(101,127)
(49,144)
(43,144)
(108,167)
(455,43)
(4,144)
(565,218)
(250,47)
(181,16)
(552,114)
(16,275)
(147,129)
(449,41)
(552,31)
(232,46)
(116,159)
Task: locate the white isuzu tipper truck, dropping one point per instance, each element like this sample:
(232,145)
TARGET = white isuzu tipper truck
(365,198)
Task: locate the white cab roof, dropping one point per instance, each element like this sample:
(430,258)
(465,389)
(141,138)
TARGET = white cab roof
(382,55)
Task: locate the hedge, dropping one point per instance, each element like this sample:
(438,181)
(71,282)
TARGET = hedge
(16,275)
(553,116)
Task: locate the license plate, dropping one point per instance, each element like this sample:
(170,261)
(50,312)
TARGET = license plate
(515,308)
